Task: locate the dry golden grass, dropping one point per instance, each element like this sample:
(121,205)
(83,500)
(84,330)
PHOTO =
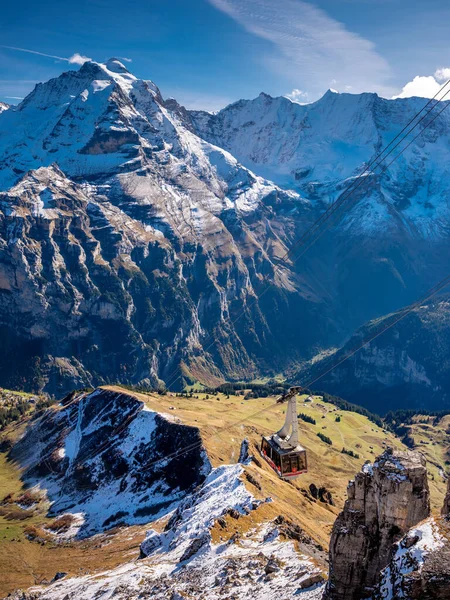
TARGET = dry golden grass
(224,422)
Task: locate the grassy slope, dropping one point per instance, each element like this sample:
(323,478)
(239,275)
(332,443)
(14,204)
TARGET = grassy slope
(327,465)
(434,442)
(23,562)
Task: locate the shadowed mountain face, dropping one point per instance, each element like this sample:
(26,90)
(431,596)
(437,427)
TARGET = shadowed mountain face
(105,456)
(405,367)
(135,246)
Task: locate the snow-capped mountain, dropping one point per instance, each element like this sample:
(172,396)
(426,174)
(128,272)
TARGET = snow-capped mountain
(140,241)
(314,148)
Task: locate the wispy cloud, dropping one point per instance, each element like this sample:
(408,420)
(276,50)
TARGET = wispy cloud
(75,59)
(14,97)
(309,47)
(426,86)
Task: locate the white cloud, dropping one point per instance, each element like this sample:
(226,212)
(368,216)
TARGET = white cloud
(426,86)
(78,59)
(442,74)
(311,48)
(298,96)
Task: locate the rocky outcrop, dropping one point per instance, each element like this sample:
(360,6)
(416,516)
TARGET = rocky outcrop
(385,500)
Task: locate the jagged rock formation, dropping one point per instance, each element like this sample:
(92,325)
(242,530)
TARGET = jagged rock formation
(406,367)
(4,106)
(98,458)
(384,501)
(134,246)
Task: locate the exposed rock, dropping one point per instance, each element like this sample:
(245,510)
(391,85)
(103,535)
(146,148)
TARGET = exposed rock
(59,575)
(195,546)
(249,477)
(446,507)
(321,493)
(384,501)
(243,453)
(420,565)
(272,566)
(291,530)
(311,580)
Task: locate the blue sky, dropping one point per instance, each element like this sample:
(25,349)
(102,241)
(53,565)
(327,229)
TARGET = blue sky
(207,53)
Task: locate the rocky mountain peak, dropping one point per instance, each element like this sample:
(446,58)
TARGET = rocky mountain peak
(385,500)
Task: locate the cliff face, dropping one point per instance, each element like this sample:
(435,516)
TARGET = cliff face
(405,367)
(446,506)
(384,501)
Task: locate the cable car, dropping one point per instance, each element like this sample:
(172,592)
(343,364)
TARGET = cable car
(282,450)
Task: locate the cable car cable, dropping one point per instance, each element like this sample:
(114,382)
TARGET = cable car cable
(407,310)
(184,450)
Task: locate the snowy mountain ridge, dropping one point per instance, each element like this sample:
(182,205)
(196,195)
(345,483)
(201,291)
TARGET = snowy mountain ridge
(123,211)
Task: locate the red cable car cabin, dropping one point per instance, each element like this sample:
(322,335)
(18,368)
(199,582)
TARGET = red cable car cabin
(282,450)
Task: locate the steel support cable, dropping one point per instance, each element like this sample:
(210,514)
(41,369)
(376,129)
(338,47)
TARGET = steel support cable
(401,315)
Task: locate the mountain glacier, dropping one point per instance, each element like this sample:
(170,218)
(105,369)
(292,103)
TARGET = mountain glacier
(141,242)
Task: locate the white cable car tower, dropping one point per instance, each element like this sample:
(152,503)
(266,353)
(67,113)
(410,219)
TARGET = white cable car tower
(282,449)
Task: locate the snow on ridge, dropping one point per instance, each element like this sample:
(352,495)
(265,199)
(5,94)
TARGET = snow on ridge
(183,559)
(221,490)
(101,459)
(411,552)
